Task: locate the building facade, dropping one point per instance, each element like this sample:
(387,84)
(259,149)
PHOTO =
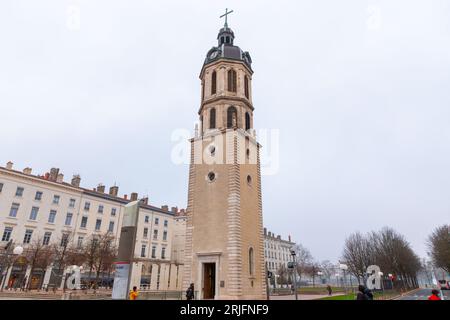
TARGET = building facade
(45,209)
(277,251)
(224,255)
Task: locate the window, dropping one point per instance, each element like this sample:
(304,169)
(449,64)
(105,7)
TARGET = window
(80,242)
(38,196)
(19,192)
(143,249)
(165,235)
(231,117)
(83,222)
(68,219)
(111,226)
(7,233)
(153,252)
(33,213)
(56,199)
(46,239)
(87,205)
(247,121)
(64,239)
(156,221)
(155,234)
(211,176)
(98,224)
(166,223)
(72,203)
(100,209)
(249,179)
(163,253)
(214,82)
(232,80)
(27,237)
(146,219)
(145,232)
(14,209)
(113,212)
(247,92)
(52,216)
(1,187)
(212,118)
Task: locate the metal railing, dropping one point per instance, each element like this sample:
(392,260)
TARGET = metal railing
(164,295)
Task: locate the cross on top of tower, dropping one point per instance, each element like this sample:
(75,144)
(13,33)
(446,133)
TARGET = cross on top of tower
(226,17)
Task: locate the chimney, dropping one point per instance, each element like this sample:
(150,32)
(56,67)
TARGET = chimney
(47,176)
(114,191)
(279,237)
(60,178)
(76,180)
(125,196)
(133,196)
(145,200)
(174,210)
(101,188)
(9,165)
(289,237)
(27,170)
(265,231)
(165,208)
(54,174)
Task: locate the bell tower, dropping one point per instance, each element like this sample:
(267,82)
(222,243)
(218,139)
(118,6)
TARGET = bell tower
(224,236)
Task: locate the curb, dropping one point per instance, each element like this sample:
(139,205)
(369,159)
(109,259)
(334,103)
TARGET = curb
(405,293)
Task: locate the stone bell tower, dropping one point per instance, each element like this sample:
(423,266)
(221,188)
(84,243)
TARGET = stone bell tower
(224,236)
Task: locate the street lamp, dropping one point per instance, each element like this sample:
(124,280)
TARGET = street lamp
(320,274)
(295,273)
(344,268)
(18,250)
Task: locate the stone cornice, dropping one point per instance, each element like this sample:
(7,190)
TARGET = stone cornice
(225,99)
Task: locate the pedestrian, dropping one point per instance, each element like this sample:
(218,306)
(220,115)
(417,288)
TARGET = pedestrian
(134,293)
(362,293)
(190,292)
(368,293)
(330,291)
(434,295)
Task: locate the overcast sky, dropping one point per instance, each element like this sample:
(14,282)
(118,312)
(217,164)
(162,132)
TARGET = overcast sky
(359,91)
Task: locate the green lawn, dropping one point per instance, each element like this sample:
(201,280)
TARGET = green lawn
(343,297)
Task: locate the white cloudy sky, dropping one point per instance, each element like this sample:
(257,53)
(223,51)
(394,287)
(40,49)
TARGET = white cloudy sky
(360,91)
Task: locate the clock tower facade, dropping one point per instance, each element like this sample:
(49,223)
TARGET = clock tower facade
(224,237)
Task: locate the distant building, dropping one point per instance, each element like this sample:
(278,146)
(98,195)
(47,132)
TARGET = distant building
(276,251)
(45,208)
(179,236)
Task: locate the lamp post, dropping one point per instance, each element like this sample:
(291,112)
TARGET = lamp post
(17,251)
(344,268)
(295,272)
(320,274)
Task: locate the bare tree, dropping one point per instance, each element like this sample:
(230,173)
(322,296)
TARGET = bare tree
(327,268)
(439,247)
(304,259)
(312,269)
(358,255)
(61,249)
(106,253)
(283,275)
(38,255)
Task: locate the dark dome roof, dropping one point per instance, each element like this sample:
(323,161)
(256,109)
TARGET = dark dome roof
(226,49)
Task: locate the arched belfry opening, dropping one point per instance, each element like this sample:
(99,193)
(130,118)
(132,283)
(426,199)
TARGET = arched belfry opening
(232,80)
(231,117)
(212,118)
(247,121)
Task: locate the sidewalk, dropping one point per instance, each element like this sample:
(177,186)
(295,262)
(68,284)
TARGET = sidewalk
(303,296)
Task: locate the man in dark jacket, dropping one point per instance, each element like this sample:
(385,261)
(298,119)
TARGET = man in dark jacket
(190,292)
(362,293)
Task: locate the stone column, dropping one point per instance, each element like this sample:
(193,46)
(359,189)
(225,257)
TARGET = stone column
(173,277)
(47,275)
(154,277)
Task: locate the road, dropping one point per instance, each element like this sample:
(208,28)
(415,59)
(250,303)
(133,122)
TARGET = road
(423,294)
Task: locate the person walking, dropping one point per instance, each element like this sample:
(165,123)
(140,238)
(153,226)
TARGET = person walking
(362,293)
(330,291)
(190,293)
(133,293)
(434,295)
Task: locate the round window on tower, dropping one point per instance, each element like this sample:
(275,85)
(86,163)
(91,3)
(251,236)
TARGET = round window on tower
(249,179)
(212,151)
(211,177)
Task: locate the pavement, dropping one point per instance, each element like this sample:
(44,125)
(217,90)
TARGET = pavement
(422,294)
(303,296)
